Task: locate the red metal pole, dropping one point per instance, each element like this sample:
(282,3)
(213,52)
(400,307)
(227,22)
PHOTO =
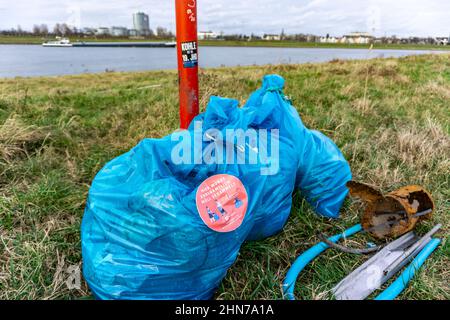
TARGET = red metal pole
(187,51)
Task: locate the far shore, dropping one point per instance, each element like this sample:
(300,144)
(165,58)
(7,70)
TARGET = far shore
(34,40)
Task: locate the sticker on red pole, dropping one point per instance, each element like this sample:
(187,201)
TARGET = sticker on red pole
(189,54)
(222,202)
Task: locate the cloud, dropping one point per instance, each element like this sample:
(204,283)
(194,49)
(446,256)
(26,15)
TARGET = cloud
(381,17)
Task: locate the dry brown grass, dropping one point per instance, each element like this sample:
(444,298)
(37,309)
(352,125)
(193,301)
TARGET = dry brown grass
(16,138)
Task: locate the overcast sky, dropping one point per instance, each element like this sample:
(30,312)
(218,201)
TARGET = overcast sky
(336,17)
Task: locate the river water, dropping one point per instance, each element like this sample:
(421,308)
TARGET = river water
(34,60)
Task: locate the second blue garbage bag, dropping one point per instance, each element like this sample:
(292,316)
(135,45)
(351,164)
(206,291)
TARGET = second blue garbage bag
(167,219)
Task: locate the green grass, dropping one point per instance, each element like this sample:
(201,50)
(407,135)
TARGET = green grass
(298,44)
(56,133)
(229,43)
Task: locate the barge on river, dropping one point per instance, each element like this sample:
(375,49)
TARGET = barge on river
(63,42)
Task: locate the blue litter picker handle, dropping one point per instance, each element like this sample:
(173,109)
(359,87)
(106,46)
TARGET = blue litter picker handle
(402,281)
(302,261)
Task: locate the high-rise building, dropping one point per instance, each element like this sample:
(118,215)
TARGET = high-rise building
(141,23)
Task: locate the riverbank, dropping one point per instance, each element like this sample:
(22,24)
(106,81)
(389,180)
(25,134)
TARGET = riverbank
(217,43)
(297,44)
(389,117)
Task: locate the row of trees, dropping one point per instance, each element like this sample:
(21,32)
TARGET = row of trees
(411,40)
(60,29)
(164,33)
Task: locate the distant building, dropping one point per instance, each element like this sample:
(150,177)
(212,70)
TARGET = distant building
(141,23)
(88,31)
(207,35)
(133,33)
(442,41)
(357,38)
(272,37)
(329,39)
(102,31)
(119,32)
(311,38)
(402,40)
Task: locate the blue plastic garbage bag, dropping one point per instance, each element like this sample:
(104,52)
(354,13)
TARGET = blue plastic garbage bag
(156,227)
(142,234)
(321,172)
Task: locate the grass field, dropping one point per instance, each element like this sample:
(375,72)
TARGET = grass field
(391,117)
(254,43)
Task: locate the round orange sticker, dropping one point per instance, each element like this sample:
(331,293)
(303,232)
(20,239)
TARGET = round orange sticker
(222,202)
